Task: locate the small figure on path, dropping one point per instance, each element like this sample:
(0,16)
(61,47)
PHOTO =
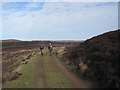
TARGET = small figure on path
(41,48)
(50,48)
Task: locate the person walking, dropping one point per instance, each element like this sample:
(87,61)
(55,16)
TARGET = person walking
(41,50)
(50,48)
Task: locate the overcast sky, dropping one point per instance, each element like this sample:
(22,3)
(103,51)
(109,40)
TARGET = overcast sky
(58,21)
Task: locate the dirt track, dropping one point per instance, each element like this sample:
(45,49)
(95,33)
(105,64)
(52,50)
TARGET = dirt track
(56,67)
(67,73)
(46,72)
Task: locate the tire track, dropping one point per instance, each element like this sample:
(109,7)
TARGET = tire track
(69,75)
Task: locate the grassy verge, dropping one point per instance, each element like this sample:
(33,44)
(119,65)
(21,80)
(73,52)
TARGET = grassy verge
(53,77)
(27,79)
(88,81)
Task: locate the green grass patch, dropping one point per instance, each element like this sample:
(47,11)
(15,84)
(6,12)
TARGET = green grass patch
(54,78)
(27,79)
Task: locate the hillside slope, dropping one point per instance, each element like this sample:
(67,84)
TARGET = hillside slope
(10,40)
(98,58)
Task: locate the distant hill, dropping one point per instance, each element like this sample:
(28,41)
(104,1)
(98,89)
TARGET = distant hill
(98,58)
(37,43)
(10,40)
